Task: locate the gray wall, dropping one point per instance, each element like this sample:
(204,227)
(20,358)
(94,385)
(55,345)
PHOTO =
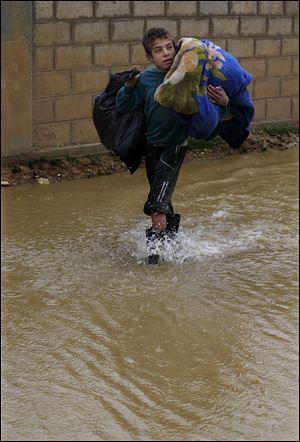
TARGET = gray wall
(16,77)
(58,55)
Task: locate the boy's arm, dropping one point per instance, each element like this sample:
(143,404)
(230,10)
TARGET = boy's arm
(128,99)
(217,95)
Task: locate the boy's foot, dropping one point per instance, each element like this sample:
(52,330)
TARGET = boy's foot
(173,222)
(155,244)
(154,259)
(156,239)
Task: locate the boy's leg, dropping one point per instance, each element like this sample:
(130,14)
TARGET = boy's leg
(153,154)
(152,158)
(159,221)
(163,168)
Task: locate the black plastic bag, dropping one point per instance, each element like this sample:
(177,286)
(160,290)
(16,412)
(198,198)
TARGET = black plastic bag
(124,134)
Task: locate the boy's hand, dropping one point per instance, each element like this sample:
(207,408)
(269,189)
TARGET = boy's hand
(132,83)
(217,95)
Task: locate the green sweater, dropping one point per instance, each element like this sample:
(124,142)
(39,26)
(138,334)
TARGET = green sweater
(161,125)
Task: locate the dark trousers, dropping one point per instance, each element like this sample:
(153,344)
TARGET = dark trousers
(163,163)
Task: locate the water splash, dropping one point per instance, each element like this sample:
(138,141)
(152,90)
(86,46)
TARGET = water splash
(196,244)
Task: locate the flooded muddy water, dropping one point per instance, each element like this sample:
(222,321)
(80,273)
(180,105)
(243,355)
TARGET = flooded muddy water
(98,346)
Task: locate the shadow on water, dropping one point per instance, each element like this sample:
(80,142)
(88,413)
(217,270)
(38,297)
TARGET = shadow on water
(99,346)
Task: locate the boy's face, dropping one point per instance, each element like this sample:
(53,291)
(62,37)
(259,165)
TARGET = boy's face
(162,53)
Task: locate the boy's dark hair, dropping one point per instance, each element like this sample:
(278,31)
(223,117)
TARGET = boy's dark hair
(151,35)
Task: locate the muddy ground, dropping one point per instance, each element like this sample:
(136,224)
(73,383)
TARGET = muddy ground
(48,171)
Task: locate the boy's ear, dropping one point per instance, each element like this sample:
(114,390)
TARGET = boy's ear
(149,57)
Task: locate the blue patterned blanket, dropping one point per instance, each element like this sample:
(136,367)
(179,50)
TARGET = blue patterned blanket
(197,64)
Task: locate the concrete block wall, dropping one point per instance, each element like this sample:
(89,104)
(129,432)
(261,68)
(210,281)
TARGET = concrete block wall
(76,45)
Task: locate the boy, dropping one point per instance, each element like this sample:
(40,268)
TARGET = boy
(166,138)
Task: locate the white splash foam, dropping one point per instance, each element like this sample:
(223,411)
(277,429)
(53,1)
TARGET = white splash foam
(195,244)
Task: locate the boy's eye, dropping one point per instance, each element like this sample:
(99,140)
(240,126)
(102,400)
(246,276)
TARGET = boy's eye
(158,50)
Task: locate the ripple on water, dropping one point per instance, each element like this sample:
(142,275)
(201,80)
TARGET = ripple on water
(99,347)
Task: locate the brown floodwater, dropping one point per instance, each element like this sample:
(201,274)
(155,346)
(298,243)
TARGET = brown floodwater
(96,345)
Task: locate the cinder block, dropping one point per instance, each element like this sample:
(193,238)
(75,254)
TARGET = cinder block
(43,10)
(72,108)
(169,24)
(250,89)
(127,30)
(84,132)
(43,111)
(241,47)
(279,66)
(214,8)
(243,8)
(180,8)
(296,26)
(295,69)
(279,108)
(89,80)
(290,46)
(121,68)
(195,27)
(54,33)
(266,88)
(52,134)
(253,26)
(148,8)
(43,59)
(280,26)
(260,110)
(227,27)
(91,32)
(72,57)
(289,87)
(270,8)
(255,66)
(77,9)
(112,9)
(111,54)
(267,47)
(51,84)
(221,42)
(138,55)
(295,106)
(292,8)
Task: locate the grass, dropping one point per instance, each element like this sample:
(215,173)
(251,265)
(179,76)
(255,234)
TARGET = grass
(279,130)
(37,162)
(54,162)
(72,160)
(193,143)
(94,158)
(204,144)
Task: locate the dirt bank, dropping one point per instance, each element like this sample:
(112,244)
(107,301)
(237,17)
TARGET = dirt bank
(53,170)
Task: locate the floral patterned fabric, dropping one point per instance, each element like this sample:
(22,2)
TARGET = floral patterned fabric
(197,64)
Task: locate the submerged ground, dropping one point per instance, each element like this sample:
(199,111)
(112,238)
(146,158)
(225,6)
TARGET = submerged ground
(98,346)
